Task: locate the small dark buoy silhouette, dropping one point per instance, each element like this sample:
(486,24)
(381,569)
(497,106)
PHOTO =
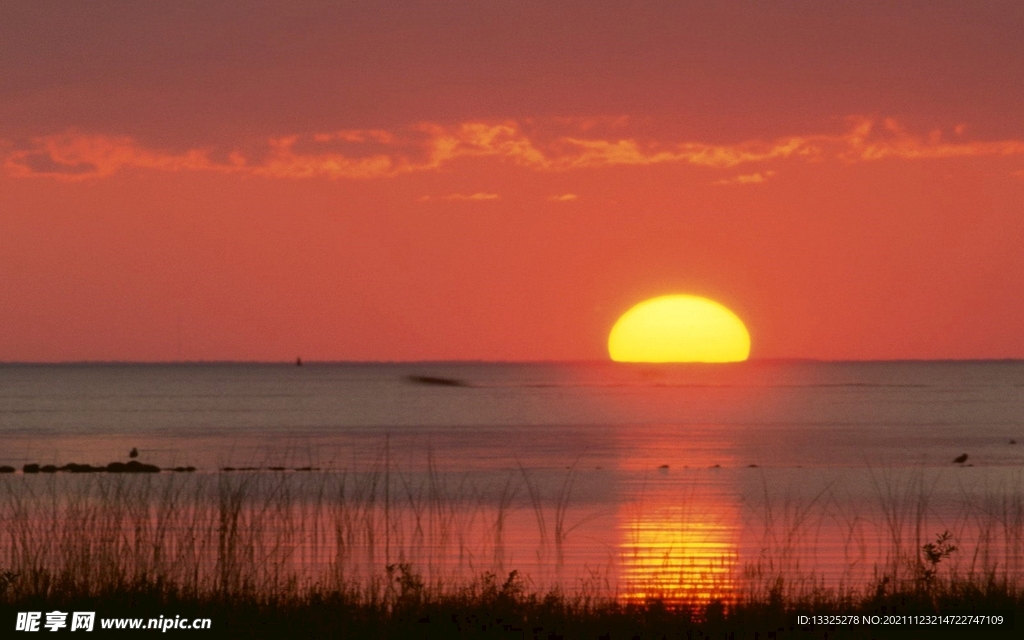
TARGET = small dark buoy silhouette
(960,459)
(134,453)
(1013,442)
(436,380)
(298,362)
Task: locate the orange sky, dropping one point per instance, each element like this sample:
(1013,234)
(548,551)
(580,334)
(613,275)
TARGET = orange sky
(500,181)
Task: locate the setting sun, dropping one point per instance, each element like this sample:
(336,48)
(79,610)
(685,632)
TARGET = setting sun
(679,328)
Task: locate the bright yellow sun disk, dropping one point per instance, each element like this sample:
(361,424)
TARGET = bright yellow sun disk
(679,328)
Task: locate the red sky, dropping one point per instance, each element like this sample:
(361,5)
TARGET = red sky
(500,181)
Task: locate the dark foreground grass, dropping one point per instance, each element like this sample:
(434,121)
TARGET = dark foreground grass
(492,608)
(231,549)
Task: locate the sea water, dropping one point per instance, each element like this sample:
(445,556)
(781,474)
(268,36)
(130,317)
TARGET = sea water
(650,479)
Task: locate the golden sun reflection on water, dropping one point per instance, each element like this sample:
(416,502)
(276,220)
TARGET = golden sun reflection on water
(679,525)
(679,554)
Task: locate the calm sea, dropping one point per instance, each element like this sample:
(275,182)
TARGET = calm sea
(648,479)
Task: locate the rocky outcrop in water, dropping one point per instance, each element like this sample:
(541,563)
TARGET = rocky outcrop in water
(133,466)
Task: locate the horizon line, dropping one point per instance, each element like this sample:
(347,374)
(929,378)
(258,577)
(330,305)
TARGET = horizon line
(293,363)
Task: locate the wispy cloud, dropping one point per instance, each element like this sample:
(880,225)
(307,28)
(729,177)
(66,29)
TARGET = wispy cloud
(750,178)
(564,146)
(471,197)
(867,141)
(565,197)
(73,155)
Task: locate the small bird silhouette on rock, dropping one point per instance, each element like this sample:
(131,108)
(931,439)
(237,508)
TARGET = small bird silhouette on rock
(134,453)
(960,459)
